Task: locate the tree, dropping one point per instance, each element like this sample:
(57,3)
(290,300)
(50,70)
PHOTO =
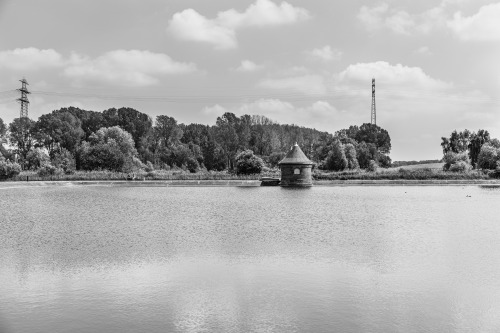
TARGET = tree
(21,135)
(451,158)
(3,131)
(64,160)
(248,163)
(136,123)
(109,148)
(336,160)
(59,130)
(366,152)
(371,133)
(488,157)
(101,156)
(350,154)
(91,121)
(35,158)
(8,169)
(227,136)
(477,140)
(457,143)
(214,157)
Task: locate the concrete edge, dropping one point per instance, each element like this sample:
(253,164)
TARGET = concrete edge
(215,183)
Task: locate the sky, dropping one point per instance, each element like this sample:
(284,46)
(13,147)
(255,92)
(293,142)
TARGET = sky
(310,63)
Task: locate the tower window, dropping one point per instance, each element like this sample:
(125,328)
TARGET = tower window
(296,171)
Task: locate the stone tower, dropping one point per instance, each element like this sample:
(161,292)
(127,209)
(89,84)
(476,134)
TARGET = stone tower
(296,168)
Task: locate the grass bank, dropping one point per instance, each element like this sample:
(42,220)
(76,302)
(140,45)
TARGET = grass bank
(421,174)
(402,174)
(160,175)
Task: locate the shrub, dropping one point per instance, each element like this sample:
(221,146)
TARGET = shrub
(8,169)
(275,158)
(149,167)
(248,163)
(372,166)
(460,166)
(35,158)
(65,161)
(49,170)
(451,158)
(192,164)
(488,157)
(336,159)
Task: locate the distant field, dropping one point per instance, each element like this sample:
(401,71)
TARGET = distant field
(420,166)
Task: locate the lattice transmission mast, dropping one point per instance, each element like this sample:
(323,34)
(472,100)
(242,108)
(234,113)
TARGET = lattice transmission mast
(24,98)
(374,107)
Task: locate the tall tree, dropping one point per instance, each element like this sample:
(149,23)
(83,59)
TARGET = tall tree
(21,135)
(371,133)
(136,123)
(477,140)
(58,130)
(227,136)
(336,159)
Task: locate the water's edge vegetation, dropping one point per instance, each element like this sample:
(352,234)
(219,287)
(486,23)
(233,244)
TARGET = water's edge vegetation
(423,174)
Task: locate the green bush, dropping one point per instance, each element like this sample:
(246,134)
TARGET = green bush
(8,169)
(35,158)
(372,166)
(49,170)
(451,158)
(488,157)
(460,166)
(247,163)
(64,160)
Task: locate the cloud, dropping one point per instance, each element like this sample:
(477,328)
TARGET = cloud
(221,31)
(424,50)
(248,66)
(192,26)
(306,84)
(326,53)
(30,58)
(313,115)
(125,67)
(392,75)
(482,26)
(401,22)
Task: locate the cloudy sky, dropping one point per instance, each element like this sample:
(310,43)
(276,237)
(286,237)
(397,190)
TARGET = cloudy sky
(436,63)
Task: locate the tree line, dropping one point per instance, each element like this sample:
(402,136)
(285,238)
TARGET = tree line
(125,140)
(468,150)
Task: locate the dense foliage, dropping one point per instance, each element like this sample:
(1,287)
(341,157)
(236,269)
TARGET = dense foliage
(247,163)
(126,140)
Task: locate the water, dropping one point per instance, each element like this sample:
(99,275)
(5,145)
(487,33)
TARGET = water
(249,259)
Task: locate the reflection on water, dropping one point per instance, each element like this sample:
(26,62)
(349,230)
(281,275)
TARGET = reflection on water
(259,259)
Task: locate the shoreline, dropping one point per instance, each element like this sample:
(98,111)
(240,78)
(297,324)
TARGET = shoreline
(244,183)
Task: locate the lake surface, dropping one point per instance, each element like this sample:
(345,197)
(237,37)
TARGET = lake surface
(250,259)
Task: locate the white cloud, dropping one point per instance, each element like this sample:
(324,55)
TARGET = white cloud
(391,75)
(482,26)
(190,25)
(400,21)
(221,31)
(125,67)
(248,66)
(424,50)
(30,59)
(313,115)
(307,84)
(326,53)
(263,13)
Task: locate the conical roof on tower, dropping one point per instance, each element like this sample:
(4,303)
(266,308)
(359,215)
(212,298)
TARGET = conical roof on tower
(295,156)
